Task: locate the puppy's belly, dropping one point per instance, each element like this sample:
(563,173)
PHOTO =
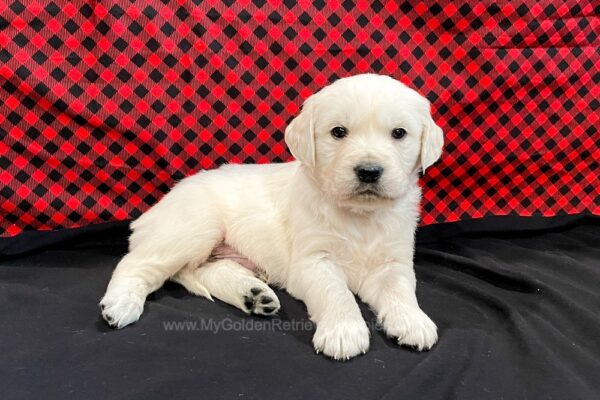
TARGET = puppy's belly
(224,251)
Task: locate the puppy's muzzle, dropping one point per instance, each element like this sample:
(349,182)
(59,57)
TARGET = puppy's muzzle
(368,173)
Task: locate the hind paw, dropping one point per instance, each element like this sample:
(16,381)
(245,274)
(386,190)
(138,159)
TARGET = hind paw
(260,300)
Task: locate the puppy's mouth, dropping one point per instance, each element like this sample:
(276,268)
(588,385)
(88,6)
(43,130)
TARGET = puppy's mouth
(369,193)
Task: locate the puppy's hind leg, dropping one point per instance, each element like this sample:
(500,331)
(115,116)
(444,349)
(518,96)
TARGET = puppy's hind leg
(230,282)
(164,240)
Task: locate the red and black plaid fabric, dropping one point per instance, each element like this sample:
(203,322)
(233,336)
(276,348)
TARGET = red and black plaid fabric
(105,104)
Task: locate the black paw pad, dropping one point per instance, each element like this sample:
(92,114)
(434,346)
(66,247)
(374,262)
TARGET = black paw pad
(248,302)
(111,322)
(257,302)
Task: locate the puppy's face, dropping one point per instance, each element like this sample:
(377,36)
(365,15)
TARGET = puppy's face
(364,138)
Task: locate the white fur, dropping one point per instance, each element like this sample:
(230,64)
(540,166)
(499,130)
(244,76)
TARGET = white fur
(302,223)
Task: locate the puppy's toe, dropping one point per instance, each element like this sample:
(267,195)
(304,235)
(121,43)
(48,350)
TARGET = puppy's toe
(261,300)
(412,328)
(341,339)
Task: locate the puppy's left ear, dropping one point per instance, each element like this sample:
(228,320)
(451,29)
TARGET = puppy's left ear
(300,137)
(432,141)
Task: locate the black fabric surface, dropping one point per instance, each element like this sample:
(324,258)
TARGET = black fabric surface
(518,313)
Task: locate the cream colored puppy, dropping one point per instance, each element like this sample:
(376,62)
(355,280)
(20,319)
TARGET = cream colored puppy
(338,221)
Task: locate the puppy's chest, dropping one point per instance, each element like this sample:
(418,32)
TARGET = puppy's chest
(357,255)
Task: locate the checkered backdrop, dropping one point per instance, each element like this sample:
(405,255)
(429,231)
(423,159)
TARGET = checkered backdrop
(105,104)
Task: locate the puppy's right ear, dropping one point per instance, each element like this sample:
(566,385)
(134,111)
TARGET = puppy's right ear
(300,137)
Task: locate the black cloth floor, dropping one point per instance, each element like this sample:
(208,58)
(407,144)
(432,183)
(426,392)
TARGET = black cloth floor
(518,313)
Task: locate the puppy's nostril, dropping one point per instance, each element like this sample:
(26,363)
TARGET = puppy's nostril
(368,173)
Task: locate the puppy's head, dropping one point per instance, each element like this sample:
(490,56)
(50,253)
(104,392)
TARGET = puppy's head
(364,139)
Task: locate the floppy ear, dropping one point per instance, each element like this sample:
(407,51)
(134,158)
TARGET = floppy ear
(432,142)
(300,137)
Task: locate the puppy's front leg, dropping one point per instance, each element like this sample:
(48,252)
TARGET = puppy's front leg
(390,290)
(341,331)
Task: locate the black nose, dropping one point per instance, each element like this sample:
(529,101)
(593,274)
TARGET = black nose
(368,173)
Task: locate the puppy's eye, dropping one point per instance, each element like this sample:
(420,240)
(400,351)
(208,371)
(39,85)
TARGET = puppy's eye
(339,132)
(398,133)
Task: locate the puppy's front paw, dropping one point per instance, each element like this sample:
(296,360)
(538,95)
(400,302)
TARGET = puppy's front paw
(341,339)
(120,309)
(411,326)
